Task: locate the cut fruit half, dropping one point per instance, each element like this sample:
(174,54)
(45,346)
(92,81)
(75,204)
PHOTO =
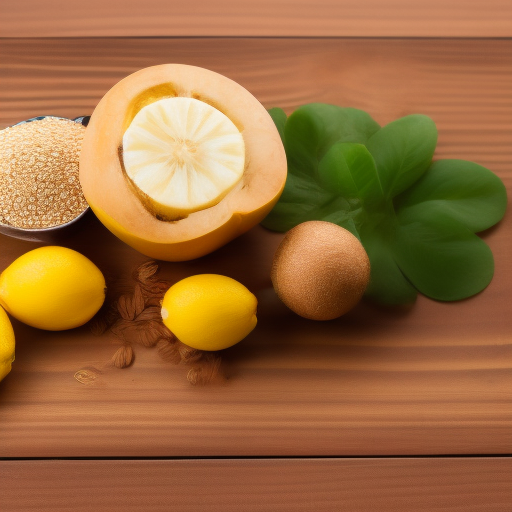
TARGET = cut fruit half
(183,155)
(233,131)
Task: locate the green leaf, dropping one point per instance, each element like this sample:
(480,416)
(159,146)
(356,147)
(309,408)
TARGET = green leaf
(442,258)
(303,136)
(308,134)
(348,169)
(403,151)
(415,219)
(337,124)
(312,129)
(462,190)
(300,201)
(279,117)
(387,284)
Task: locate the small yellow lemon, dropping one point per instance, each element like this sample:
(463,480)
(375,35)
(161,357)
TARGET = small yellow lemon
(6,344)
(209,311)
(52,288)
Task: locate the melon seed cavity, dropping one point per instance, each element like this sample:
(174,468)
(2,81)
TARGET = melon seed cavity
(39,185)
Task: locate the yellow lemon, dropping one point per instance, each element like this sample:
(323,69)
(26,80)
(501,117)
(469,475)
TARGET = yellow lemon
(6,344)
(52,288)
(209,311)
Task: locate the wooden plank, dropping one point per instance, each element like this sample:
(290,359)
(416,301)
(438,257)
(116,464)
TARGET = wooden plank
(322,18)
(463,85)
(346,485)
(434,379)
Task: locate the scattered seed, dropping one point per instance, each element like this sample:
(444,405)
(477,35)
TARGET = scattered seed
(123,357)
(202,375)
(150,313)
(135,318)
(99,326)
(168,350)
(189,354)
(138,300)
(126,307)
(146,271)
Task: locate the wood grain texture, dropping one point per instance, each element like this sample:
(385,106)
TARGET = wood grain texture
(432,379)
(321,18)
(347,485)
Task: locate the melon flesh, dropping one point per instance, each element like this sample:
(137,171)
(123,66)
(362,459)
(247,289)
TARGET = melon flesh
(131,214)
(182,155)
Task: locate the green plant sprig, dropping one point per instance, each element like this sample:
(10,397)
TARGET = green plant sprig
(416,218)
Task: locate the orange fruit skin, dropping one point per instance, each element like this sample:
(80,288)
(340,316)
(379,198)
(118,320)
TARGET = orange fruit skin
(118,206)
(189,249)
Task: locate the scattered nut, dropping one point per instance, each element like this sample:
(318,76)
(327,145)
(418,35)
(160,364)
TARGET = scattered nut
(123,357)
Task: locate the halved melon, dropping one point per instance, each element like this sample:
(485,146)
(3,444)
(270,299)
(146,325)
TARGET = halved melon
(179,160)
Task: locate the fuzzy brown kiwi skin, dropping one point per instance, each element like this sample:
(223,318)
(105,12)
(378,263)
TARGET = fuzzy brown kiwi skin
(320,270)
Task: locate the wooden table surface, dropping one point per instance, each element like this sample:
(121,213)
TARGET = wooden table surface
(383,409)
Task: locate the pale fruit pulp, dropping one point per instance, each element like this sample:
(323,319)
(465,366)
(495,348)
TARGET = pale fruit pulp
(183,155)
(179,228)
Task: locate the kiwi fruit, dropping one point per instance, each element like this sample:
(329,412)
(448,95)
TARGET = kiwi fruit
(320,270)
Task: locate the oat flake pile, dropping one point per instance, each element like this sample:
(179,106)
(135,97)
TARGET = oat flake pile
(39,185)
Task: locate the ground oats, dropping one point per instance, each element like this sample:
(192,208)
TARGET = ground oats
(39,185)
